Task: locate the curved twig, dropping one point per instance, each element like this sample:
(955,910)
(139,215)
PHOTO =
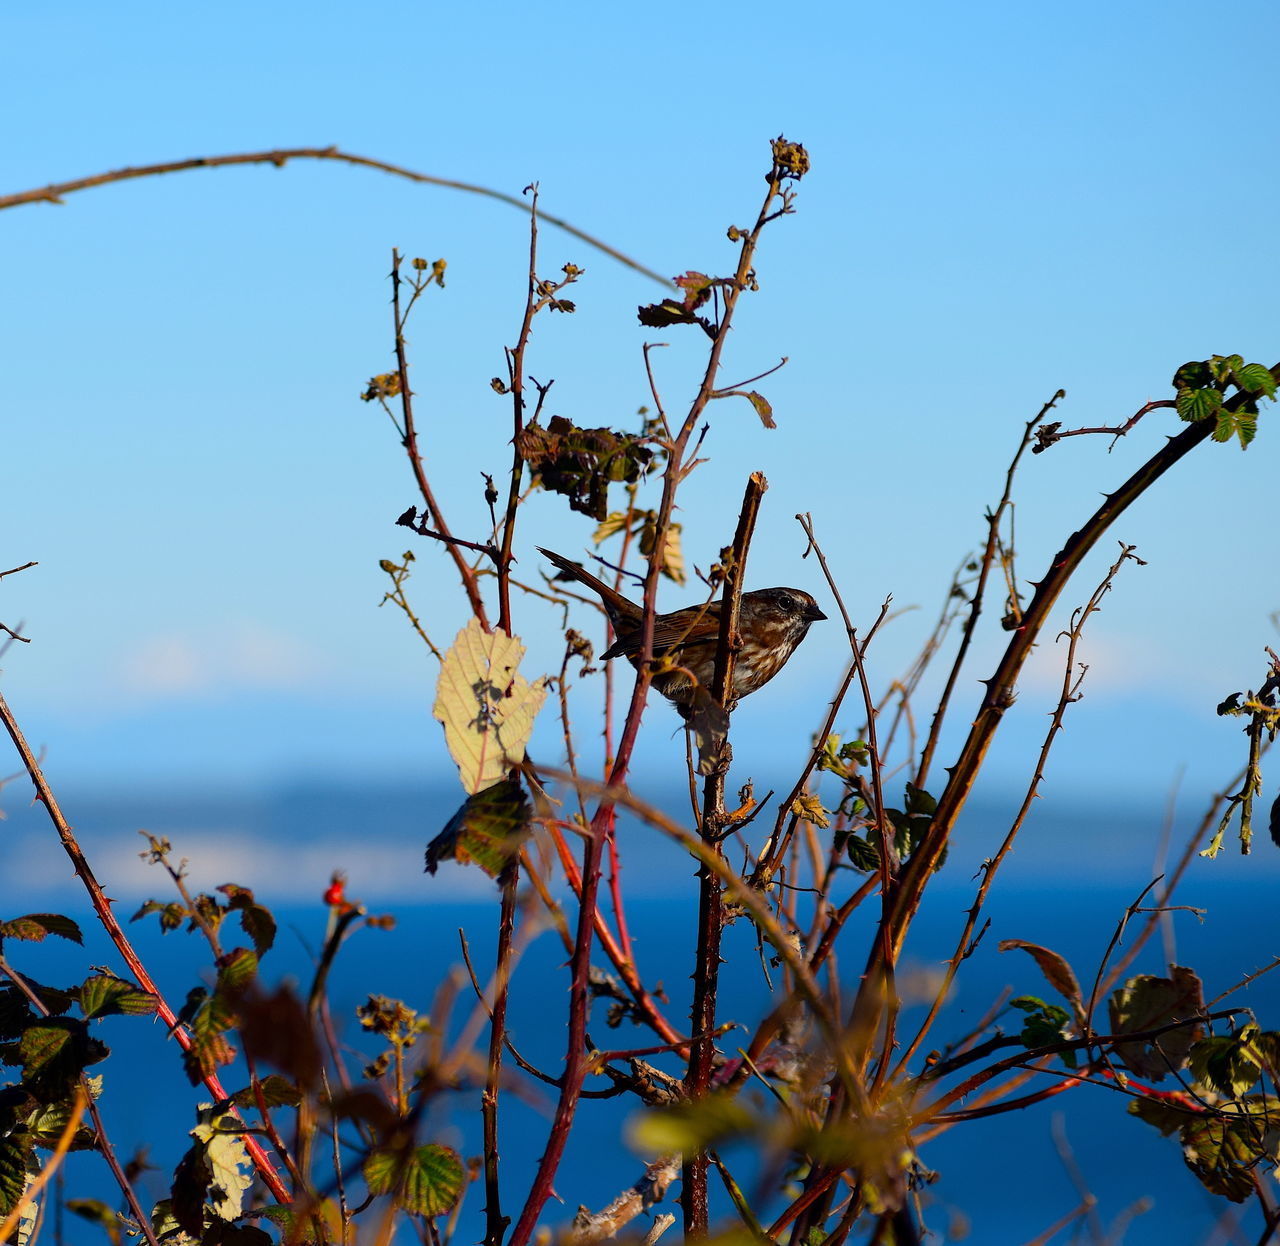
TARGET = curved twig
(55,192)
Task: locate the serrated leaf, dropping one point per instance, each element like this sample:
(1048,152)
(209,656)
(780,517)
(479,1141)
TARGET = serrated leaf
(259,924)
(432,1182)
(57,1050)
(426,1181)
(486,706)
(1059,974)
(105,995)
(15,1153)
(862,853)
(35,927)
(488,829)
(1257,379)
(1147,1002)
(1198,404)
(256,921)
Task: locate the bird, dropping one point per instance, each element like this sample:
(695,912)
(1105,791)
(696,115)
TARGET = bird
(771,623)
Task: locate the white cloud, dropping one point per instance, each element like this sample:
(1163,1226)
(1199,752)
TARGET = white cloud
(242,655)
(378,870)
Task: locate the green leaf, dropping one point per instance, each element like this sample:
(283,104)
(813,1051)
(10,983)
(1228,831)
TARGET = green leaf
(1257,379)
(1045,1024)
(1230,1064)
(432,1182)
(16,1154)
(34,927)
(236,970)
(862,853)
(1222,366)
(1193,375)
(105,995)
(426,1181)
(488,829)
(1198,404)
(485,705)
(57,1050)
(48,1121)
(1242,425)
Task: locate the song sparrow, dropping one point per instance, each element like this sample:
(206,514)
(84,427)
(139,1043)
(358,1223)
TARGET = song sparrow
(772,622)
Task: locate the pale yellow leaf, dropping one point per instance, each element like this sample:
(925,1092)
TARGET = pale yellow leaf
(228,1160)
(671,563)
(486,706)
(614,522)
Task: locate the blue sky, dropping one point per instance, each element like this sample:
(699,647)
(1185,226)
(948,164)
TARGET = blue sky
(1005,200)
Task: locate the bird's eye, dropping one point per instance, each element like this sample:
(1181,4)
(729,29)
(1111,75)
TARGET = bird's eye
(787,602)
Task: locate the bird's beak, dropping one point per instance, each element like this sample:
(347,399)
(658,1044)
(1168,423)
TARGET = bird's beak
(812,614)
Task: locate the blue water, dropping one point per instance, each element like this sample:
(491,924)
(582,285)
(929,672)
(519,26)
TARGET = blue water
(1005,1175)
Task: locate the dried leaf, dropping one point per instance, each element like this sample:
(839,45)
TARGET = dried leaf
(809,807)
(1147,1002)
(1060,975)
(487,708)
(581,463)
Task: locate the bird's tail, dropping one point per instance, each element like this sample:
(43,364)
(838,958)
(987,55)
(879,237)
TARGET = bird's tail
(613,600)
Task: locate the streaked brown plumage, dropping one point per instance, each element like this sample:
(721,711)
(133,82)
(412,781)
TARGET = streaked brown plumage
(771,622)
